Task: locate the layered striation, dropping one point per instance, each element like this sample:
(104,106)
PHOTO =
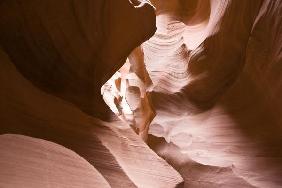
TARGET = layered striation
(216,91)
(202,77)
(113,149)
(31,162)
(55,56)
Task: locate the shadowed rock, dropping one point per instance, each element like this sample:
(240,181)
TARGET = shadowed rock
(70,48)
(113,149)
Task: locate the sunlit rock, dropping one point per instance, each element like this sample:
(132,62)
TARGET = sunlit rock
(127,94)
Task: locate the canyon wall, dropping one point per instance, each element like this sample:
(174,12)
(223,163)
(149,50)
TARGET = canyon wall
(217,85)
(203,78)
(55,57)
(70,48)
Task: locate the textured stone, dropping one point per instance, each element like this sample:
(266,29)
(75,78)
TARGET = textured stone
(121,157)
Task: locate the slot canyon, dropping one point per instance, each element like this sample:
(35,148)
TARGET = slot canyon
(139,93)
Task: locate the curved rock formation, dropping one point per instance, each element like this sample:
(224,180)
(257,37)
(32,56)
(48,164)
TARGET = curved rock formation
(30,162)
(127,93)
(112,148)
(70,48)
(216,91)
(211,73)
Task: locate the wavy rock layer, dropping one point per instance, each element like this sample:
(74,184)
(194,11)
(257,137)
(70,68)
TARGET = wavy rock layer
(68,49)
(217,82)
(30,162)
(215,67)
(121,157)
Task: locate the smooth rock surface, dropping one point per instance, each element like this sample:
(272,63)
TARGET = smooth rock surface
(113,149)
(213,70)
(70,48)
(31,162)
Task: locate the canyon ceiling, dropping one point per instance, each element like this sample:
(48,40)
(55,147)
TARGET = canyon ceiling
(138,93)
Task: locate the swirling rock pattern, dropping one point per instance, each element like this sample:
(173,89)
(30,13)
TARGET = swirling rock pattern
(68,49)
(217,82)
(213,70)
(113,149)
